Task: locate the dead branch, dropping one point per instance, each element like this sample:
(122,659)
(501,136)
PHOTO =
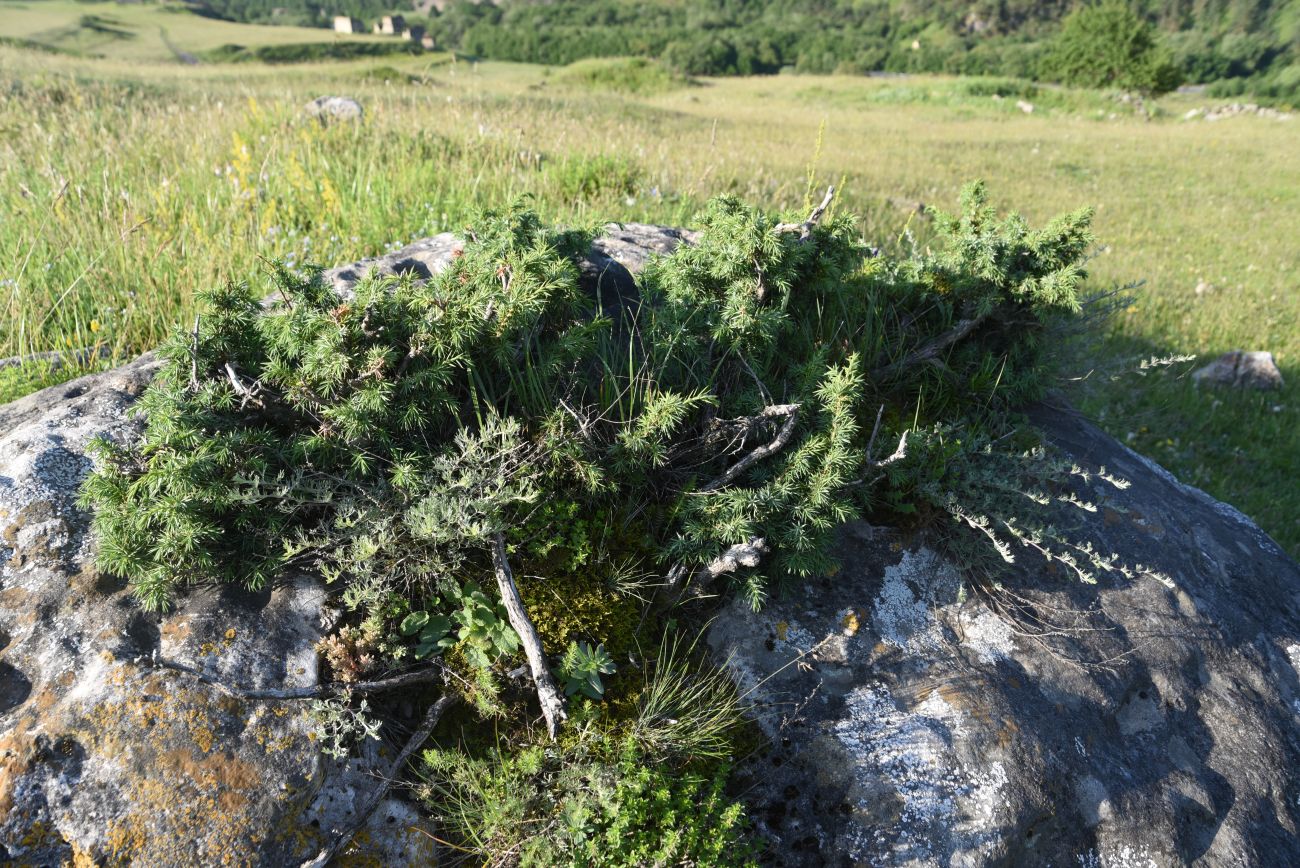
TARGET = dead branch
(898,455)
(875,429)
(805,229)
(194,354)
(791,412)
(419,676)
(746,554)
(248,393)
(359,818)
(767,396)
(931,349)
(553,708)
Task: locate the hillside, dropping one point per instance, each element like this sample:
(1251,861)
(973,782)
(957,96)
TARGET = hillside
(1211,39)
(145,32)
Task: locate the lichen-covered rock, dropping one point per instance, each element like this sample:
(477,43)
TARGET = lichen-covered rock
(104,758)
(1149,722)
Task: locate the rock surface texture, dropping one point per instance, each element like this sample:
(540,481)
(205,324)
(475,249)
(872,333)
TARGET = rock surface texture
(1147,722)
(1131,723)
(104,758)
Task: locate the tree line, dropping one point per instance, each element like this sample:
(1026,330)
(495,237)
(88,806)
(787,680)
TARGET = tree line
(1252,41)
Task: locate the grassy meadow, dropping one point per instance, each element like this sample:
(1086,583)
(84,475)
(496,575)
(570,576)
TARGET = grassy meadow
(130,180)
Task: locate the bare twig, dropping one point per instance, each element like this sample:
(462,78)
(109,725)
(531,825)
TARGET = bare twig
(767,396)
(344,836)
(411,353)
(875,429)
(194,353)
(746,554)
(899,453)
(806,228)
(248,393)
(419,676)
(761,291)
(547,693)
(931,349)
(791,412)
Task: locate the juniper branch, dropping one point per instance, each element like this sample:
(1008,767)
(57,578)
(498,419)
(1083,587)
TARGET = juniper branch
(931,349)
(791,412)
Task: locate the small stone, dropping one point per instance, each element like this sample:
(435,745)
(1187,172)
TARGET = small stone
(1241,369)
(335,108)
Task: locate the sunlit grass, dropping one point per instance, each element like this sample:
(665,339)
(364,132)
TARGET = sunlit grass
(125,187)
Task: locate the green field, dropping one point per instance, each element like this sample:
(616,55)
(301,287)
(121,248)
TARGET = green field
(128,181)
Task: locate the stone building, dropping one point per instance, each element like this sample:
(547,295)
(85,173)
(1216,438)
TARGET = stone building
(346,24)
(391,25)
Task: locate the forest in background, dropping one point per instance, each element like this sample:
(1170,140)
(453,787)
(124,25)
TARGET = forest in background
(1240,46)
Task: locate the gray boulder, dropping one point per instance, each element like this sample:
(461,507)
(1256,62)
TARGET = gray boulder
(104,758)
(1145,722)
(1241,369)
(334,108)
(606,271)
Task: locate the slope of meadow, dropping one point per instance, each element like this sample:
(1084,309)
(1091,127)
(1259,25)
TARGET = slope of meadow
(125,185)
(130,31)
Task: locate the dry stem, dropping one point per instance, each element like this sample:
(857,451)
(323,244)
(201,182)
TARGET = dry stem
(547,693)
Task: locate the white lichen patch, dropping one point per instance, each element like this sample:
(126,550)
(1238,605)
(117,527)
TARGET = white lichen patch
(793,636)
(988,636)
(902,611)
(1293,656)
(1125,857)
(945,807)
(986,797)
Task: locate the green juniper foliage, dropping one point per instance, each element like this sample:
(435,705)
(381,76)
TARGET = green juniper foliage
(768,383)
(383,439)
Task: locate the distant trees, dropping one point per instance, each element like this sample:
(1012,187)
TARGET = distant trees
(1142,45)
(1108,45)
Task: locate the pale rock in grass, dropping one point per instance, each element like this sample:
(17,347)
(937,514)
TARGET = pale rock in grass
(334,108)
(1241,369)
